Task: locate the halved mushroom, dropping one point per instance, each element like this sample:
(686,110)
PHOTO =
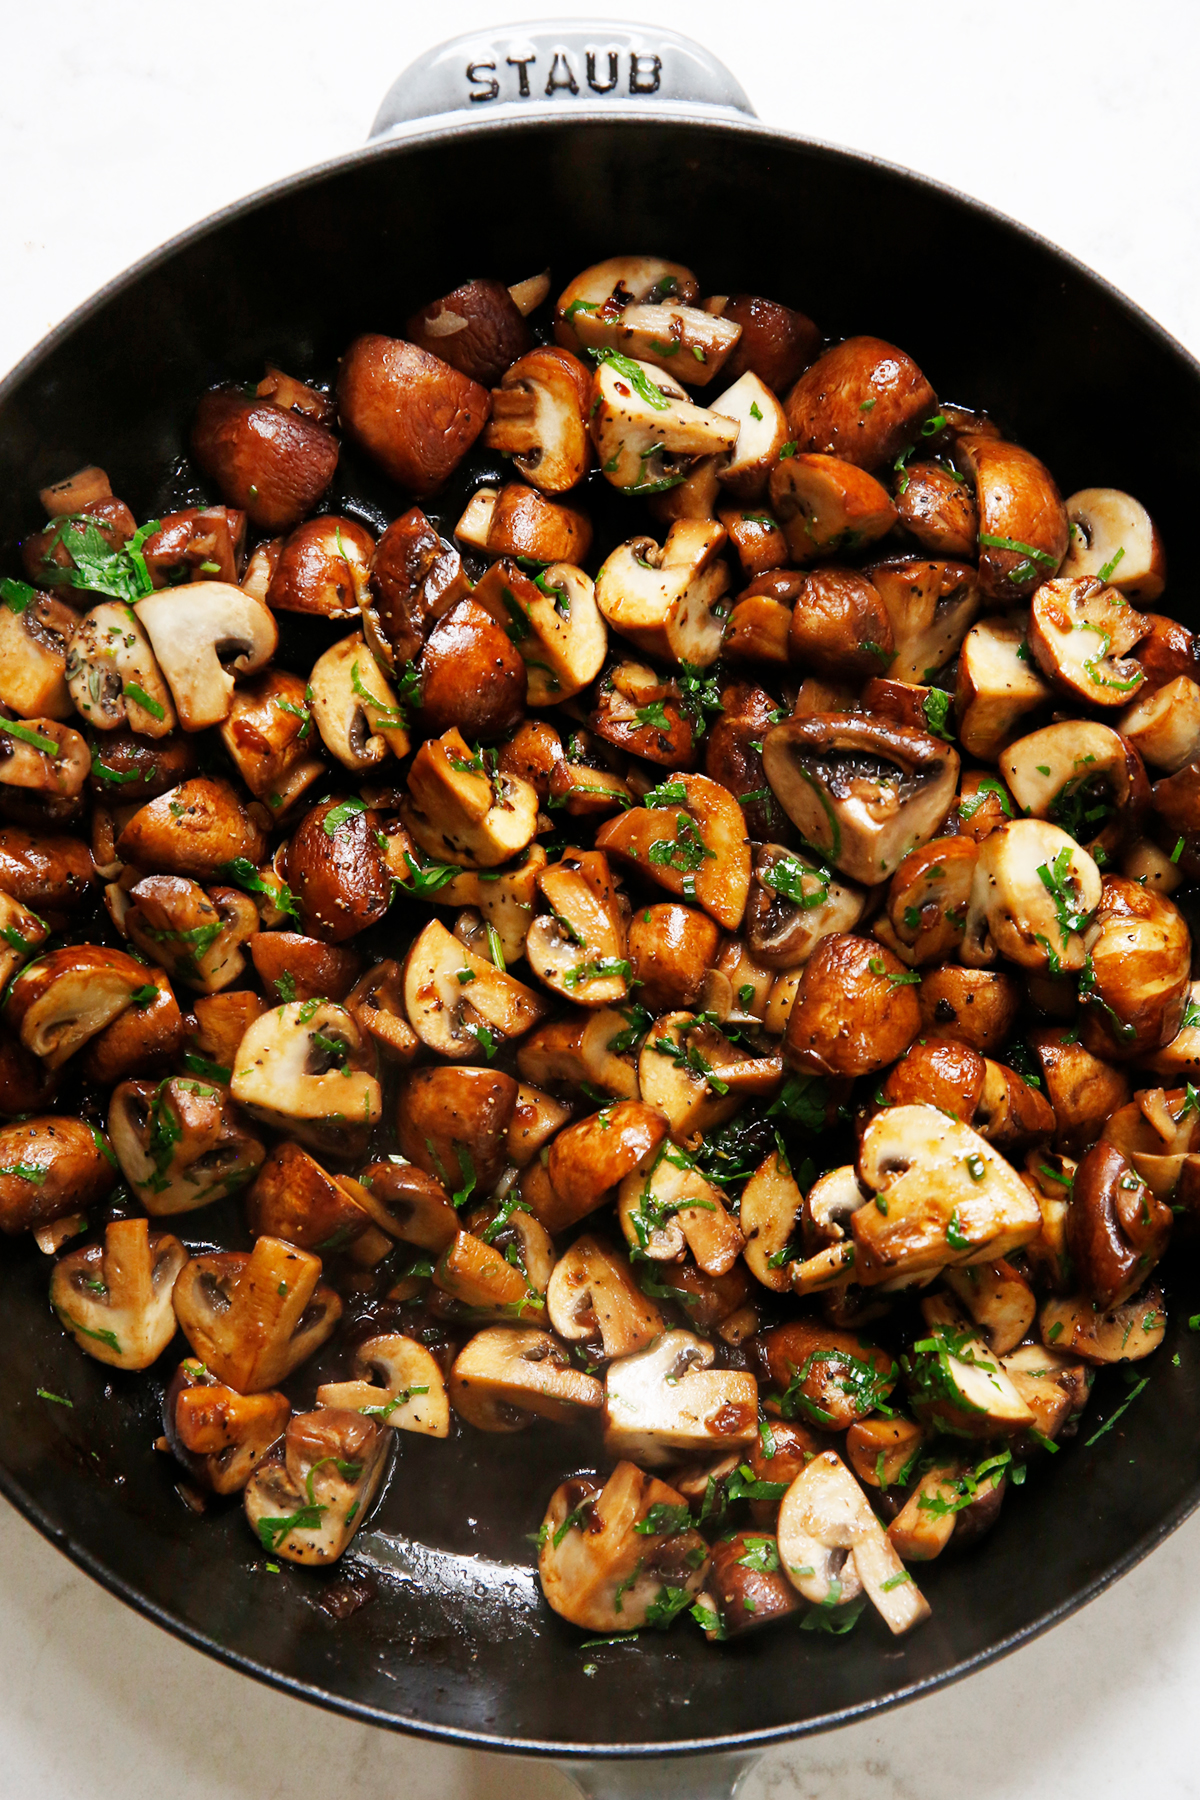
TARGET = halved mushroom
(538,418)
(478,329)
(794,904)
(762,435)
(769,1217)
(757,627)
(839,625)
(411,412)
(974,1006)
(588,1160)
(930,605)
(948,1197)
(641,306)
(270,455)
(269,737)
(935,505)
(1034,893)
(665,600)
(997,686)
(294,1198)
(862,400)
(454,1123)
(194,936)
(1135,984)
(193,829)
(832,1546)
(115,1297)
(669,1401)
(866,792)
(956,1384)
(1157,1133)
(195,542)
(252,1317)
(376,1003)
(1117,1229)
(746,1586)
(690,837)
(697,1077)
(883,1452)
(645,429)
(518,521)
(578,948)
(928,901)
(1114,538)
(307,1498)
(827,506)
(1022,520)
(305,1069)
(638,708)
(855,1009)
(553,620)
(1168,649)
(1012,1114)
(1080,632)
(217,1434)
(397,1382)
(505,1377)
(33,656)
(776,342)
(593,1299)
(50,1168)
(203,637)
(322,569)
(1164,725)
(112,675)
(1083,1090)
(671,1209)
(937,1072)
(300,968)
(22,933)
(64,998)
(607,1556)
(825,1377)
(1082,775)
(47,872)
(180,1144)
(999,1300)
(337,869)
(504,898)
(146,1037)
(459,1017)
(416,577)
(1078,1327)
(1054,1387)
(457,810)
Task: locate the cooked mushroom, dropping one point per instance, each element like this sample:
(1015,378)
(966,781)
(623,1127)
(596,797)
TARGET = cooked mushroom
(1117,1229)
(935,505)
(997,686)
(588,1160)
(196,937)
(453,1123)
(839,624)
(458,1018)
(307,1497)
(832,1546)
(397,1382)
(146,1037)
(1033,894)
(479,329)
(293,967)
(883,1452)
(46,872)
(553,621)
(827,506)
(112,675)
(1054,1388)
(355,707)
(269,737)
(203,637)
(1077,1327)
(645,429)
(193,829)
(669,1401)
(539,418)
(304,1068)
(337,871)
(1164,725)
(930,605)
(1083,1090)
(115,1297)
(518,521)
(1114,538)
(458,809)
(49,1169)
(794,904)
(862,401)
(999,1300)
(825,1377)
(252,1317)
(609,1555)
(274,461)
(578,947)
(641,306)
(1022,520)
(1080,632)
(1135,983)
(665,600)
(956,1384)
(505,1377)
(671,1209)
(411,412)
(769,1218)
(64,998)
(670,949)
(217,1434)
(593,1299)
(322,569)
(35,630)
(690,837)
(762,435)
(776,342)
(180,1144)
(974,1006)
(294,1198)
(416,577)
(504,899)
(855,1010)
(696,1076)
(1082,775)
(746,1586)
(638,708)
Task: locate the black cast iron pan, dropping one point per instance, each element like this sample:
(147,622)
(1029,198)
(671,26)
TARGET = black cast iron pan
(455,1642)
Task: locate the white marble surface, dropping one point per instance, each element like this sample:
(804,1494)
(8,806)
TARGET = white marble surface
(123,123)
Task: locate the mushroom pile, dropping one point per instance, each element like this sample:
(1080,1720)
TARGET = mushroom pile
(725,986)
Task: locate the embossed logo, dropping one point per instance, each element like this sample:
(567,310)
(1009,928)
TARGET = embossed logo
(599,71)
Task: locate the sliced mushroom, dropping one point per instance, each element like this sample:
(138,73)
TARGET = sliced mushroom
(639,709)
(1080,632)
(593,1299)
(376,1003)
(763,433)
(883,1452)
(49,1169)
(827,507)
(1012,1114)
(690,837)
(504,899)
(193,829)
(505,1377)
(641,306)
(203,636)
(115,1297)
(603,1561)
(646,430)
(832,1546)
(355,708)
(458,1018)
(518,521)
(539,418)
(112,675)
(306,1499)
(217,1434)
(456,810)
(64,998)
(956,1383)
(666,600)
(999,1300)
(1054,1388)
(578,948)
(180,1144)
(669,1401)
(948,1197)
(1022,520)
(794,904)
(305,1069)
(411,412)
(1114,538)
(254,1317)
(1077,1327)
(769,1217)
(931,606)
(1033,894)
(553,621)
(997,686)
(671,1209)
(397,1382)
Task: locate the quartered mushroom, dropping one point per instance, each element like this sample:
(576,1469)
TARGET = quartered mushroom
(589,1159)
(996,687)
(862,400)
(194,936)
(1054,1387)
(114,1297)
(762,435)
(1078,1327)
(666,599)
(50,1168)
(269,736)
(1023,531)
(517,520)
(884,1452)
(670,1209)
(1114,538)
(832,1546)
(294,1198)
(928,901)
(863,791)
(671,949)
(641,307)
(308,1496)
(180,1143)
(504,898)
(505,1377)
(112,675)
(998,1299)
(34,641)
(460,812)
(1164,725)
(855,1009)
(411,412)
(218,1435)
(1083,776)
(1117,1228)
(459,1003)
(825,1377)
(690,837)
(1080,633)
(1033,895)
(826,506)
(376,1003)
(973,1006)
(61,1000)
(479,1277)
(204,636)
(270,454)
(607,1556)
(935,505)
(1135,984)
(408,1204)
(305,1068)
(322,569)
(355,707)
(539,418)
(193,829)
(931,606)
(554,623)
(746,1586)
(669,1401)
(454,1123)
(593,1299)
(646,431)
(696,1076)
(252,1317)
(794,903)
(769,1217)
(398,1382)
(578,948)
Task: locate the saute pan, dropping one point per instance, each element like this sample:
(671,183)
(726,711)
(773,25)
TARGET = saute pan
(556,146)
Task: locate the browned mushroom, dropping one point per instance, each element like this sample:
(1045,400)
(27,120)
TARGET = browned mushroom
(832,1546)
(478,330)
(518,521)
(336,869)
(217,1434)
(1076,1326)
(254,1317)
(114,1297)
(539,418)
(180,1144)
(146,1036)
(839,625)
(1033,894)
(49,1168)
(398,1382)
(272,461)
(588,1160)
(269,736)
(606,1555)
(974,1006)
(863,401)
(1117,1230)
(1085,777)
(935,505)
(64,998)
(1022,520)
(1114,538)
(825,1377)
(193,829)
(794,904)
(1080,632)
(856,1009)
(411,412)
(504,1378)
(930,605)
(1135,982)
(670,950)
(309,1495)
(776,342)
(670,1400)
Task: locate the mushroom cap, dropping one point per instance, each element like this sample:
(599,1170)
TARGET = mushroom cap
(505,1377)
(855,1010)
(862,401)
(1023,529)
(50,1167)
(306,1499)
(1033,894)
(68,995)
(271,462)
(254,1317)
(413,413)
(692,840)
(193,830)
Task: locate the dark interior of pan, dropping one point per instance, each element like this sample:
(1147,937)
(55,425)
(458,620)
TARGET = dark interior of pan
(434,1621)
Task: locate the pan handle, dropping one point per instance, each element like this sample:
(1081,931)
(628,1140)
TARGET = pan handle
(660,1777)
(559,65)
